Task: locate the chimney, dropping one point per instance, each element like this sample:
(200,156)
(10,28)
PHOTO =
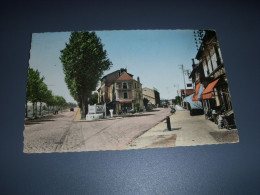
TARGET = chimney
(138,79)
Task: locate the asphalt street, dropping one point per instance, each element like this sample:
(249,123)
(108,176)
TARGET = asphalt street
(60,133)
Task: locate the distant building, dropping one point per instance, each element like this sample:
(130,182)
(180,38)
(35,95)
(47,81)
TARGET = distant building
(183,95)
(164,103)
(152,95)
(120,91)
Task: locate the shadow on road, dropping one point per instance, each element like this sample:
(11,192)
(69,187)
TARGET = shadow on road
(153,110)
(137,115)
(42,119)
(38,121)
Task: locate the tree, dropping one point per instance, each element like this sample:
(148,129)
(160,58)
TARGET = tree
(43,94)
(49,98)
(84,61)
(71,105)
(34,82)
(93,99)
(177,100)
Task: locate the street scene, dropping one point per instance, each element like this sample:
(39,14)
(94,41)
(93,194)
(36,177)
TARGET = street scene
(123,90)
(65,133)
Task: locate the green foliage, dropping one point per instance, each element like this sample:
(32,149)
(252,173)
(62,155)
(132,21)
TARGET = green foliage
(71,105)
(84,61)
(37,91)
(35,86)
(49,98)
(177,100)
(93,99)
(136,106)
(59,101)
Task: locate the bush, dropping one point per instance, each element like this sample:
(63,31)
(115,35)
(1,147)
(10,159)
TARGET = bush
(136,106)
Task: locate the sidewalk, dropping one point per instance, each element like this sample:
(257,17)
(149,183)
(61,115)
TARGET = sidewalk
(77,116)
(186,131)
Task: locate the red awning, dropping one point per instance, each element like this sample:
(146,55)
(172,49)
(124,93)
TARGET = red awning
(207,93)
(195,97)
(125,101)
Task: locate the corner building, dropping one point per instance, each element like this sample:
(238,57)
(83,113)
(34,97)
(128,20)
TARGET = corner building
(120,91)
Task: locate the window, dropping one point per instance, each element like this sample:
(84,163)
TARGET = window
(124,86)
(125,96)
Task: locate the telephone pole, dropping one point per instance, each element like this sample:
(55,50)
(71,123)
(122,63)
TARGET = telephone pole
(183,80)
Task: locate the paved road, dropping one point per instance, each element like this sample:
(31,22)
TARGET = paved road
(61,134)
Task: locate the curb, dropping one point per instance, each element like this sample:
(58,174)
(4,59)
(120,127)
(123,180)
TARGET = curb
(76,114)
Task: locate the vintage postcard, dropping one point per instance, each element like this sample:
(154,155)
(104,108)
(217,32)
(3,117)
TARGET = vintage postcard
(126,89)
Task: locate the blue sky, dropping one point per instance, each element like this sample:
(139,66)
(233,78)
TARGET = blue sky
(153,55)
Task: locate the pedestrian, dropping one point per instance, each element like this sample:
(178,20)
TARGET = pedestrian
(56,111)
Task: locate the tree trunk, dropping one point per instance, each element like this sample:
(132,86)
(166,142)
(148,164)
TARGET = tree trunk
(84,106)
(40,108)
(26,109)
(36,110)
(33,109)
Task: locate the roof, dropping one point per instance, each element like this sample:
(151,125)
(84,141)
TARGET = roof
(124,77)
(209,34)
(113,76)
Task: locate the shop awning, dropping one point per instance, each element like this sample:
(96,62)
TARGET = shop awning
(125,101)
(207,93)
(198,92)
(193,104)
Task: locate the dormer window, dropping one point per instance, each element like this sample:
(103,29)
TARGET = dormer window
(124,86)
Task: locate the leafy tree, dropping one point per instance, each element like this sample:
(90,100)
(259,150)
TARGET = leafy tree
(93,99)
(49,98)
(34,81)
(84,61)
(42,94)
(177,100)
(71,104)
(60,101)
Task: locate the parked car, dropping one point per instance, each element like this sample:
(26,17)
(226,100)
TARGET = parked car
(196,112)
(72,109)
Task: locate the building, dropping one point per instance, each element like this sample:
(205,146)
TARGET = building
(185,94)
(209,77)
(152,95)
(120,91)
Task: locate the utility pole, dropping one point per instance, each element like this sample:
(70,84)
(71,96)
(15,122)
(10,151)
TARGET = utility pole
(183,80)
